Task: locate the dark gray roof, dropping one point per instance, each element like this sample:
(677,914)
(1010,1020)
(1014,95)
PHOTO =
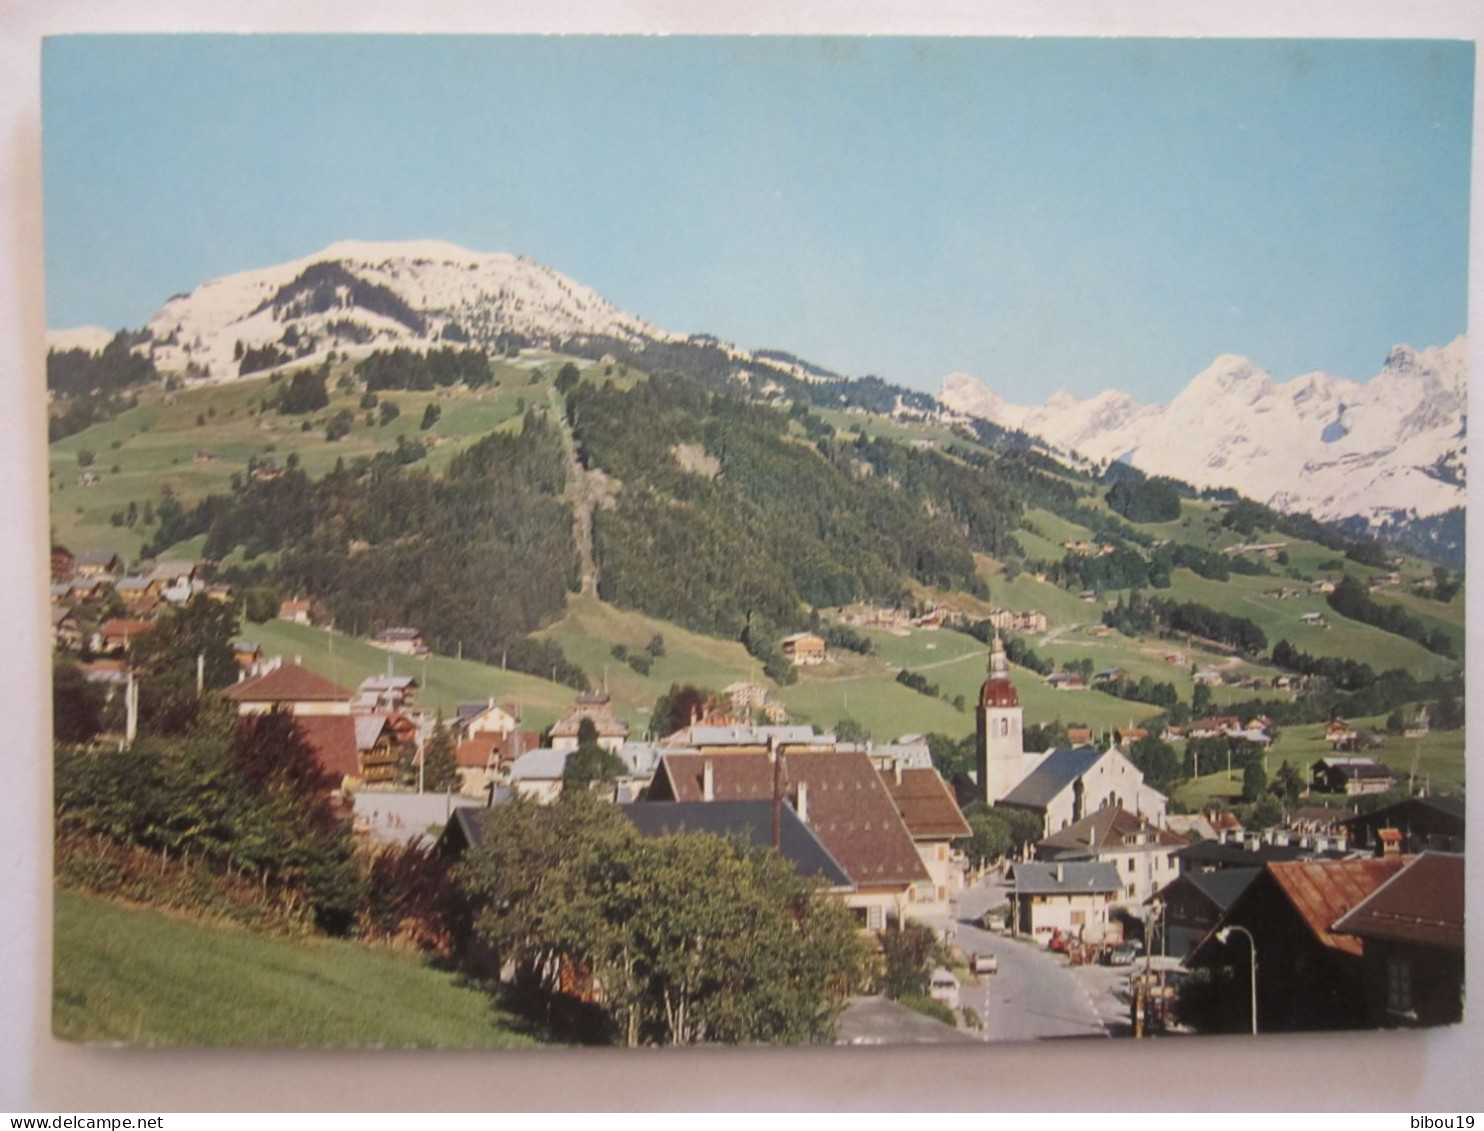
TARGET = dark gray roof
(752,820)
(1057,770)
(1066,879)
(1447,806)
(1238,855)
(1223,887)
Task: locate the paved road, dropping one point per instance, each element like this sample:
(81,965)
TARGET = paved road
(1035,996)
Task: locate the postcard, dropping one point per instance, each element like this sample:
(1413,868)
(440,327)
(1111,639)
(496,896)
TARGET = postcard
(671,541)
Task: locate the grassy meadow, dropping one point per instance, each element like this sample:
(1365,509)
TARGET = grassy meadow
(142,977)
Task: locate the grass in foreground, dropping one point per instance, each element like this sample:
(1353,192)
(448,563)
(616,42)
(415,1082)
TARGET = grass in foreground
(142,977)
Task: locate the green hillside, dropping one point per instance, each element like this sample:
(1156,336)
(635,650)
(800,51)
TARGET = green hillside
(140,977)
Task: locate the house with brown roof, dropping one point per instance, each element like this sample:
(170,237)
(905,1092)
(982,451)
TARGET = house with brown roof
(289,687)
(1411,928)
(926,805)
(1142,854)
(840,797)
(116,635)
(1310,977)
(295,612)
(613,732)
(1071,900)
(804,648)
(333,738)
(402,639)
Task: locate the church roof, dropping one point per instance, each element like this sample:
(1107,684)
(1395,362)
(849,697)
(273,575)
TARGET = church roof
(1057,770)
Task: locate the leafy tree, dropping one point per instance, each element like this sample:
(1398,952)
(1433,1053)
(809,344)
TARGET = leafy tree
(848,730)
(1266,813)
(682,939)
(589,763)
(911,952)
(389,412)
(656,646)
(1025,827)
(260,603)
(1157,761)
(989,839)
(1288,783)
(675,708)
(167,658)
(77,705)
(440,766)
(86,457)
(1254,781)
(567,378)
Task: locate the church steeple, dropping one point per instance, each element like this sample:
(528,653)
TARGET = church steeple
(999,717)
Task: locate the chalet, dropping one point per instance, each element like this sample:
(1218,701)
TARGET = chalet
(291,688)
(1209,677)
(1190,905)
(1317,819)
(1028,623)
(745,696)
(1315,620)
(1353,777)
(1065,681)
(1411,931)
(1323,586)
(1079,736)
(1425,823)
(932,816)
(403,640)
(490,717)
(248,654)
(116,635)
(804,648)
(64,563)
(1338,733)
(175,574)
(1213,726)
(1072,900)
(1309,976)
(1126,736)
(703,738)
(1242,852)
(66,630)
(613,732)
(295,612)
(1068,785)
(98,563)
(378,749)
(1142,853)
(386,693)
(839,796)
(1109,675)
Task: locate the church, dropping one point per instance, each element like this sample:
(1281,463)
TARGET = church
(1062,785)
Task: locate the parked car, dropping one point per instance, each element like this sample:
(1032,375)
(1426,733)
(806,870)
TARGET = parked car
(1121,955)
(986,964)
(943,987)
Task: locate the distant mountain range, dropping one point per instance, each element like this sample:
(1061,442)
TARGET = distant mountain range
(1388,452)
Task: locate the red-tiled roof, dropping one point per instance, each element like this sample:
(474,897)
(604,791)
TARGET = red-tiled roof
(1423,903)
(847,806)
(926,804)
(288,683)
(334,740)
(121,626)
(478,752)
(1323,891)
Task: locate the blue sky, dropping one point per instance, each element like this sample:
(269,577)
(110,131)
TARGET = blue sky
(1044,214)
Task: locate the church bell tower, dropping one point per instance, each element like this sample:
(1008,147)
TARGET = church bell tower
(999,717)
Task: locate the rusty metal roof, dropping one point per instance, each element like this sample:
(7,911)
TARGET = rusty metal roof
(1323,891)
(1422,903)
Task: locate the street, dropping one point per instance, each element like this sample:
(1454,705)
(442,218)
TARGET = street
(1035,995)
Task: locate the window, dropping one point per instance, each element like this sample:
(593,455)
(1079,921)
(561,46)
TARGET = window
(1399,987)
(875,918)
(942,852)
(1079,918)
(1132,864)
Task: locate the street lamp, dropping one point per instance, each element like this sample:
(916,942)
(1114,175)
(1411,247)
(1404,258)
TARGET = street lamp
(1221,937)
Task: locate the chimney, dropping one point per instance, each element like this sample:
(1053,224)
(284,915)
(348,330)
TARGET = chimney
(708,782)
(897,768)
(1059,874)
(802,804)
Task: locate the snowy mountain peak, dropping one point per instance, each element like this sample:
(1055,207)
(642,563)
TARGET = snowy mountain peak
(356,296)
(1393,445)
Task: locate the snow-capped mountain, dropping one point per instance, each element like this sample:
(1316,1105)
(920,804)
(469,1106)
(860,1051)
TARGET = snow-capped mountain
(1388,449)
(357,296)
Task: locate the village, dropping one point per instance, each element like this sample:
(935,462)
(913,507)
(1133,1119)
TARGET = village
(1129,917)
